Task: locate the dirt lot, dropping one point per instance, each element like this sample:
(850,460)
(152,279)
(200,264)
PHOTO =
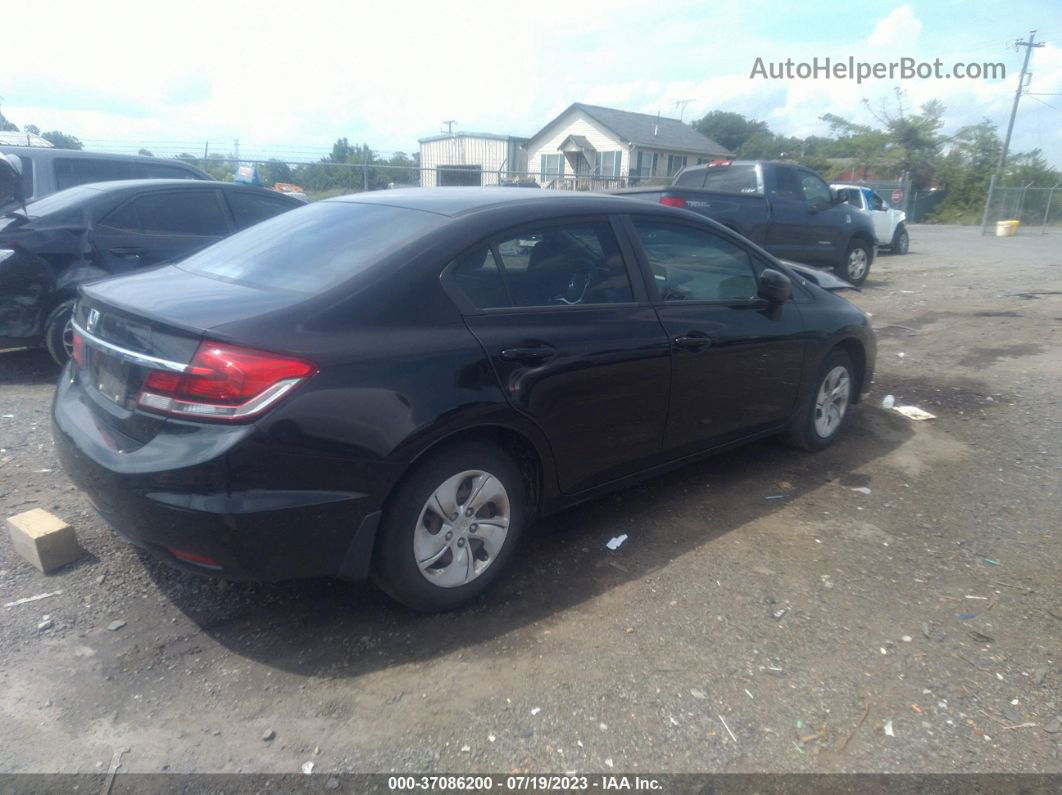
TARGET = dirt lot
(764,615)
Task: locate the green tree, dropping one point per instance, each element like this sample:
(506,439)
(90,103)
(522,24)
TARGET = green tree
(61,140)
(7,126)
(32,128)
(145,153)
(730,129)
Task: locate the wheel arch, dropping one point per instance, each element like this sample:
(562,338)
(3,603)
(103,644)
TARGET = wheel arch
(857,353)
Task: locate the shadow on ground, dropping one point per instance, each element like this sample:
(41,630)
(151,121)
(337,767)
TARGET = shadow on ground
(27,367)
(333,629)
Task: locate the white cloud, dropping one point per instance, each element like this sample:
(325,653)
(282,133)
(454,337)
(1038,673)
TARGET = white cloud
(389,73)
(901,26)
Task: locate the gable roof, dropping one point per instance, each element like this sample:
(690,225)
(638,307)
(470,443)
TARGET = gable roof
(645,129)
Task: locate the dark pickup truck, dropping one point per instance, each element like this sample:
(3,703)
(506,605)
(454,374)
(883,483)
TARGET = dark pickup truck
(787,209)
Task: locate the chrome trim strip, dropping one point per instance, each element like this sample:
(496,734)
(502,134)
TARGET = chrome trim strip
(133,357)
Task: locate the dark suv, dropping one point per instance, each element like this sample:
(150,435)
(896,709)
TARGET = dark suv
(55,244)
(46,170)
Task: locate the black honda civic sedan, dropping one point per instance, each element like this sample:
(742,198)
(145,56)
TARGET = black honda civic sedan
(398,384)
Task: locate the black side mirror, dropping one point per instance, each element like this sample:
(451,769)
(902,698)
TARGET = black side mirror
(775,286)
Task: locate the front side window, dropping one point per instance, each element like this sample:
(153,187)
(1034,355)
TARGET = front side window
(182,213)
(694,265)
(570,265)
(877,203)
(815,191)
(79,171)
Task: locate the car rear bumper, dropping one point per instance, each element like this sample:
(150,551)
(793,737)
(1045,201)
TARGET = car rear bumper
(173,497)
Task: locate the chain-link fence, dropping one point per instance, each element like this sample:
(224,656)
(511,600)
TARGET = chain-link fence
(325,179)
(1036,208)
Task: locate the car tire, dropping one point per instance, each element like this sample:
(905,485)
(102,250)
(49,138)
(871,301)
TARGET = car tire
(433,563)
(814,426)
(58,332)
(855,265)
(901,241)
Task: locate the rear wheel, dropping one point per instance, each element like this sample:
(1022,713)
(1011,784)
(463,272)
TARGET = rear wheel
(901,241)
(856,263)
(59,332)
(824,405)
(451,527)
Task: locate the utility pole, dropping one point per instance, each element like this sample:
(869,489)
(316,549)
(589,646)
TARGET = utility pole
(236,146)
(1028,45)
(450,126)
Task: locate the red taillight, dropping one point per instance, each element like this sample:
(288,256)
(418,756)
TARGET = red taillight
(224,382)
(77,350)
(673,201)
(194,557)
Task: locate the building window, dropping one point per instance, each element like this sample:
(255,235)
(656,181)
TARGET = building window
(675,164)
(608,164)
(647,163)
(551,166)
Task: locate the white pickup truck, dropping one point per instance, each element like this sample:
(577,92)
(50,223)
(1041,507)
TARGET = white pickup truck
(890,225)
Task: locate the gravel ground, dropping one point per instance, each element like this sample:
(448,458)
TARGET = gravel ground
(764,615)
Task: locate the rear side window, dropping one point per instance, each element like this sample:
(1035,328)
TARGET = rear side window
(163,171)
(731,179)
(314,247)
(180,213)
(251,208)
(575,264)
(477,275)
(78,171)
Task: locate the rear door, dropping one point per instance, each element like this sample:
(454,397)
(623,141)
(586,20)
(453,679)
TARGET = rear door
(160,226)
(735,359)
(573,342)
(787,234)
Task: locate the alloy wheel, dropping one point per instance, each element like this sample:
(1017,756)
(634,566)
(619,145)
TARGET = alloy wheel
(68,337)
(462,528)
(857,263)
(831,403)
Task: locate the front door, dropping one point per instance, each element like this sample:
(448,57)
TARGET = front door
(736,360)
(570,344)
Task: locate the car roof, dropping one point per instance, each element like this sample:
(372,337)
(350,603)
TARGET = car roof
(45,152)
(116,185)
(457,201)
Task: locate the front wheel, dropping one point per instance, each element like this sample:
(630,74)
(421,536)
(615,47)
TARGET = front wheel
(451,527)
(824,405)
(59,332)
(901,241)
(856,263)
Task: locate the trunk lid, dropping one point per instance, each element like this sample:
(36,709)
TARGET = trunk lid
(150,321)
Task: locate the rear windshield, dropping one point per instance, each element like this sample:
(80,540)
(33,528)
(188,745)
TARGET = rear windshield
(59,201)
(314,247)
(725,179)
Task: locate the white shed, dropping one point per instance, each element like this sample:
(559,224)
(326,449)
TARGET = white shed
(471,158)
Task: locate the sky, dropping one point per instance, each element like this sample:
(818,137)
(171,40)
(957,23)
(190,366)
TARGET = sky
(287,81)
